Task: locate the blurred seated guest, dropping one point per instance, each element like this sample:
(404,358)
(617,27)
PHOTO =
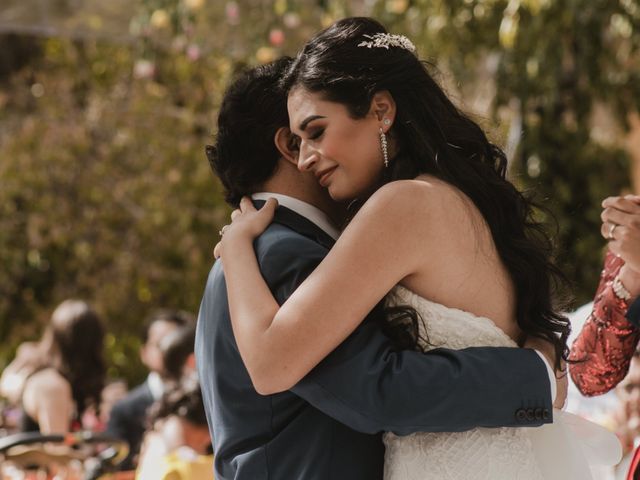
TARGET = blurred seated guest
(57,379)
(12,383)
(626,416)
(178,357)
(15,374)
(128,416)
(96,419)
(178,447)
(112,393)
(608,339)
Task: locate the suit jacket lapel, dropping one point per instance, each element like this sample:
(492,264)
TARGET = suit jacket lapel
(300,224)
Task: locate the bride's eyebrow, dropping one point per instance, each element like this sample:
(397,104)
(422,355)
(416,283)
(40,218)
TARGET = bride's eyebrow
(311,118)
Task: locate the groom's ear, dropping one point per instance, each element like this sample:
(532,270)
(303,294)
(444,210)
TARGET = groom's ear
(287,144)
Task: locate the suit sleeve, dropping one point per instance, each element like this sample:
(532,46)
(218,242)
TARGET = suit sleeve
(117,423)
(119,426)
(602,351)
(368,385)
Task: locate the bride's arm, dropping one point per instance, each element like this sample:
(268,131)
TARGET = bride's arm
(280,345)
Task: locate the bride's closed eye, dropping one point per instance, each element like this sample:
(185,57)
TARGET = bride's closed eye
(316,133)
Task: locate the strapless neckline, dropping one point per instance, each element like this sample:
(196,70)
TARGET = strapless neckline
(422,304)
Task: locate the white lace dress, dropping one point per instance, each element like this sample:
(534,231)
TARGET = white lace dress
(482,453)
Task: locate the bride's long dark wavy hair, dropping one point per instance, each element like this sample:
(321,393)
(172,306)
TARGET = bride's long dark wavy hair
(434,137)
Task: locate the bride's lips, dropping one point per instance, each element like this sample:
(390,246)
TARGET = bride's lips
(323,176)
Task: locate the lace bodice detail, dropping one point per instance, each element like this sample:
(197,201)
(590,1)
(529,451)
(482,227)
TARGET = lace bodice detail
(482,453)
(452,328)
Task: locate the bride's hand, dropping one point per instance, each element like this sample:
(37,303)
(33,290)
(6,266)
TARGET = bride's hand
(247,223)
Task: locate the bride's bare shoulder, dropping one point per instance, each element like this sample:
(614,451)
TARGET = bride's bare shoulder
(423,197)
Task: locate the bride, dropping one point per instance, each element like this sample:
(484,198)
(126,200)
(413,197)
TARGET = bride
(438,226)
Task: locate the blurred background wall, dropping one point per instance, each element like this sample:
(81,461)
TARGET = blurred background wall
(105,109)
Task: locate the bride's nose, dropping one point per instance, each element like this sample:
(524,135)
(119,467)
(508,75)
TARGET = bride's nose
(307,158)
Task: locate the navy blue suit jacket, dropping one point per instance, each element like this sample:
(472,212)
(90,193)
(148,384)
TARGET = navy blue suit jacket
(329,425)
(128,421)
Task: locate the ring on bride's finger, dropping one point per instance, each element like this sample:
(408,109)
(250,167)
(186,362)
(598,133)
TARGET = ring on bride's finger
(611,230)
(222,230)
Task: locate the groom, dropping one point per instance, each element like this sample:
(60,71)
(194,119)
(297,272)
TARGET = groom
(329,425)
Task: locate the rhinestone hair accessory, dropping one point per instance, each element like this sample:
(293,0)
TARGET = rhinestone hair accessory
(386,40)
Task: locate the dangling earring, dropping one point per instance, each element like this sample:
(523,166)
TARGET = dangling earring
(383,144)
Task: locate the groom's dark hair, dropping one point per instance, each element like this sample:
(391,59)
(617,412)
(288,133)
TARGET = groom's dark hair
(254,107)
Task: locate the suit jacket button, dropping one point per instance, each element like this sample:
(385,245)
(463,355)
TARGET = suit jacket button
(521,415)
(530,415)
(545,414)
(538,413)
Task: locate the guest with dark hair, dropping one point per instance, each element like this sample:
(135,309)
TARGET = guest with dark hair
(177,446)
(62,375)
(127,420)
(177,353)
(114,391)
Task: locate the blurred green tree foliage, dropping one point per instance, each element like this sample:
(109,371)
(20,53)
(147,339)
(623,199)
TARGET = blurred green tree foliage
(105,192)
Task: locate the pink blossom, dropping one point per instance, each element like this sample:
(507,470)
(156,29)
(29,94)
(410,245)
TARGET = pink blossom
(144,69)
(233,13)
(193,52)
(276,37)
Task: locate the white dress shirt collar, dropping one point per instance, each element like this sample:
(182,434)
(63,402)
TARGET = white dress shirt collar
(156,385)
(308,211)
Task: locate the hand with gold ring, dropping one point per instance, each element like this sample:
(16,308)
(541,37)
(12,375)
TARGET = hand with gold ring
(621,227)
(247,223)
(216,249)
